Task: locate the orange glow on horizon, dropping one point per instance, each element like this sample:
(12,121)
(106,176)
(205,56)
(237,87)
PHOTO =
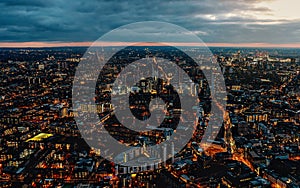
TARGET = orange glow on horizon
(87,44)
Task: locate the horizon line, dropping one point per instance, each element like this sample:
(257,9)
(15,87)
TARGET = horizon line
(88,44)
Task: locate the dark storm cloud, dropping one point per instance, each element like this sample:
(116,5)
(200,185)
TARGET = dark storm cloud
(30,3)
(81,20)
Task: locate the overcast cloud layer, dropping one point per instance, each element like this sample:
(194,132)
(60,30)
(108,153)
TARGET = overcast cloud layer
(214,21)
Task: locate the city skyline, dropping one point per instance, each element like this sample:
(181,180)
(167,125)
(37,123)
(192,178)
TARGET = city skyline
(257,143)
(150,94)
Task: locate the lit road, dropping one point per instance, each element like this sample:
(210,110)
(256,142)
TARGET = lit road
(241,158)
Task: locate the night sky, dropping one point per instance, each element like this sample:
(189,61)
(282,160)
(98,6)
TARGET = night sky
(214,21)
